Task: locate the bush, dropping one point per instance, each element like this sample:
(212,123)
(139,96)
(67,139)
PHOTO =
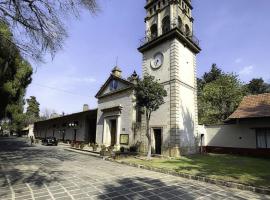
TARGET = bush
(77,145)
(95,146)
(135,148)
(72,144)
(122,149)
(110,148)
(82,146)
(103,148)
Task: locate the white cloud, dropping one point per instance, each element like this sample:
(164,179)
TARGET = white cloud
(238,60)
(246,70)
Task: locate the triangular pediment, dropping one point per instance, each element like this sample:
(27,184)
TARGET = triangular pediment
(112,85)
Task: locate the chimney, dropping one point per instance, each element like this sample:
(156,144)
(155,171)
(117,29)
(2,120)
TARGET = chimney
(85,107)
(117,71)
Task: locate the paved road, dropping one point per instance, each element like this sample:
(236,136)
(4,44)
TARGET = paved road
(43,173)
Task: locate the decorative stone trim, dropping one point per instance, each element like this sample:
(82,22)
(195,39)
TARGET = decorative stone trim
(195,96)
(229,184)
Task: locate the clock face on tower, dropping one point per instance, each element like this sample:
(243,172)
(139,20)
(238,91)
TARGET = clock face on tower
(157,61)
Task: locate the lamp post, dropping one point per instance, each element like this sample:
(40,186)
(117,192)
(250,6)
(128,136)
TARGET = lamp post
(74,125)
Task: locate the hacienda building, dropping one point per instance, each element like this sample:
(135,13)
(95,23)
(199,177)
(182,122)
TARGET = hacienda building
(169,51)
(80,127)
(246,131)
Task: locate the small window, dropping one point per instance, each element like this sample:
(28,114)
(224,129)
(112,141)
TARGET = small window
(113,85)
(158,4)
(263,138)
(163,2)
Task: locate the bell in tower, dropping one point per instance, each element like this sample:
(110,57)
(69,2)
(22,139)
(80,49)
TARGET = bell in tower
(164,16)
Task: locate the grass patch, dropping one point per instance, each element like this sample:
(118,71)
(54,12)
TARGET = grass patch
(246,170)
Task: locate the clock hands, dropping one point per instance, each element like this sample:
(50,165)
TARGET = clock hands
(157,61)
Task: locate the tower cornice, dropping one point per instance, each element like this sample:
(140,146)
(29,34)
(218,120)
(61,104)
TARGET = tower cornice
(150,3)
(174,33)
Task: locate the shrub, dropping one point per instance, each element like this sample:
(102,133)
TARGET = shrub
(103,148)
(95,146)
(122,149)
(82,145)
(72,144)
(135,147)
(110,148)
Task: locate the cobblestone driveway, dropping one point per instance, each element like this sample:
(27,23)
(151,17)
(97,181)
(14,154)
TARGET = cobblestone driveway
(43,173)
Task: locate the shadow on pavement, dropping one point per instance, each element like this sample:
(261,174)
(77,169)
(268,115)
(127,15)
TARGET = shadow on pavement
(22,163)
(145,188)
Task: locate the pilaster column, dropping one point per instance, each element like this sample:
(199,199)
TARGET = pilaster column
(118,131)
(147,29)
(103,131)
(159,24)
(172,13)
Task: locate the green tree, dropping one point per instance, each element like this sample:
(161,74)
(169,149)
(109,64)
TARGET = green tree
(220,99)
(32,110)
(40,22)
(219,94)
(15,76)
(212,75)
(150,96)
(257,86)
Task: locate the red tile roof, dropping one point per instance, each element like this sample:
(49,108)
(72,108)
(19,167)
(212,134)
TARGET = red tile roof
(253,106)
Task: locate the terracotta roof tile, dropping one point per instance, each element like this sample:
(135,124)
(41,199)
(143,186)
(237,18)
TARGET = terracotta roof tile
(253,106)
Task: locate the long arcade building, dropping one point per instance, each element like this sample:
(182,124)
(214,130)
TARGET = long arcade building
(79,127)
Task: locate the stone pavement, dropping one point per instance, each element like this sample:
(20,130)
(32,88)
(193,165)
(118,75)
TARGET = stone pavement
(43,173)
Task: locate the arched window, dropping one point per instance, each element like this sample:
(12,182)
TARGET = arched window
(188,32)
(180,23)
(113,85)
(154,30)
(166,24)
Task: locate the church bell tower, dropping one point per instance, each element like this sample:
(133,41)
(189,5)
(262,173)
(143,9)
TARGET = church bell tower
(169,51)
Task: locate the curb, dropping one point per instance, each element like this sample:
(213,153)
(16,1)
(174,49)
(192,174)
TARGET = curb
(198,178)
(179,174)
(84,152)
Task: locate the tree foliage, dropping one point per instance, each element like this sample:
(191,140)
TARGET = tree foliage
(150,96)
(41,22)
(218,96)
(213,75)
(257,86)
(15,76)
(32,110)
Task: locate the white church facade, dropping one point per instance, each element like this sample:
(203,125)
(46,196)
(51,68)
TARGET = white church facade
(169,54)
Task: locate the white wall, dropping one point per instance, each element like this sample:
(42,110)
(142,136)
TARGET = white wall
(124,99)
(236,136)
(163,73)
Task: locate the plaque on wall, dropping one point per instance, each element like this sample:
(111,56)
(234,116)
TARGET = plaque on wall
(124,139)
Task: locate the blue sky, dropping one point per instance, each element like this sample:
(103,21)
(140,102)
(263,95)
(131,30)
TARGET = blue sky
(233,33)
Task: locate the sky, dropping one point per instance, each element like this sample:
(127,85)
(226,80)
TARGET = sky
(234,34)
